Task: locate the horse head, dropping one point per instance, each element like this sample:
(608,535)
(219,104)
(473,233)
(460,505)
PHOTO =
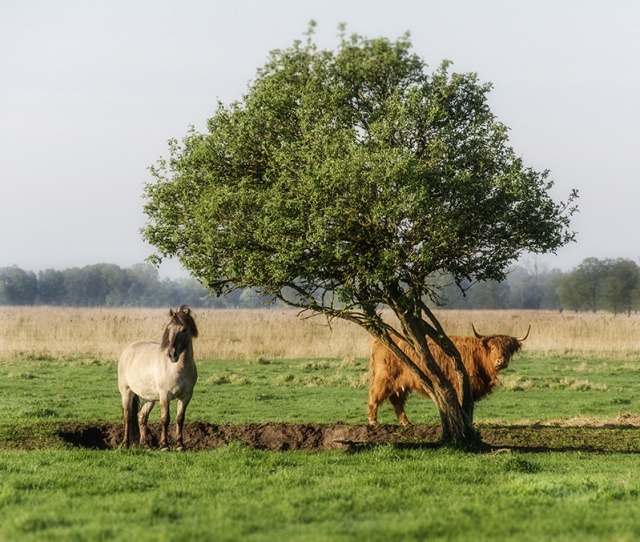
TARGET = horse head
(179,332)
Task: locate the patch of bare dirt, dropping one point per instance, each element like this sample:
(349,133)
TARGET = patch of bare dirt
(591,437)
(264,436)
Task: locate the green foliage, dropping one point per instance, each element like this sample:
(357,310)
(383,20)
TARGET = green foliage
(621,288)
(342,171)
(17,287)
(601,284)
(346,180)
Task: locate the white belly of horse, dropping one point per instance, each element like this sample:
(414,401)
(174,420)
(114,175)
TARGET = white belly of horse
(149,373)
(152,393)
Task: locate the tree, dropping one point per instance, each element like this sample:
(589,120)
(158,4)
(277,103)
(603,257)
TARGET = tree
(489,295)
(620,286)
(17,287)
(580,289)
(144,286)
(549,281)
(50,287)
(342,182)
(75,287)
(527,284)
(116,284)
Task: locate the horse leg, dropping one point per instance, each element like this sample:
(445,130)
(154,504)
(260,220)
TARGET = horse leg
(143,418)
(129,411)
(182,408)
(126,409)
(164,422)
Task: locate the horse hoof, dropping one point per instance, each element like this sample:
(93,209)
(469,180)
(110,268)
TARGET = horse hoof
(164,449)
(180,449)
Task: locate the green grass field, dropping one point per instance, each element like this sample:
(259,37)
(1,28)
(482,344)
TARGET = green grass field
(56,492)
(534,387)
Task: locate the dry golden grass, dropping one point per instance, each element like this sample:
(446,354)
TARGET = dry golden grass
(101,333)
(599,334)
(52,332)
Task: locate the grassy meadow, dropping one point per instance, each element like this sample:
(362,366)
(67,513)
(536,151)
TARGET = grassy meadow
(58,366)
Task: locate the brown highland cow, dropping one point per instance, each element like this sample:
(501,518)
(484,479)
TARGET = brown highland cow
(483,357)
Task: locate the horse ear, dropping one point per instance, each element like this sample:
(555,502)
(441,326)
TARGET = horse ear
(171,313)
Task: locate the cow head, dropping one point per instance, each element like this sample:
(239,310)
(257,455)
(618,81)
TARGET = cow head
(501,347)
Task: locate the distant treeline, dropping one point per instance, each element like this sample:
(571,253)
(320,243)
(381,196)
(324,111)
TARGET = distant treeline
(108,285)
(612,285)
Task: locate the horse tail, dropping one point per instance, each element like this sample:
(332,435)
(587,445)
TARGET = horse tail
(134,429)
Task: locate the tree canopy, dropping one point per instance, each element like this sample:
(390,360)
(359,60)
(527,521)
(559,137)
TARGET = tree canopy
(344,181)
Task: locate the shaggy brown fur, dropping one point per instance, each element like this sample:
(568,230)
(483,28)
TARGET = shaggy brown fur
(483,357)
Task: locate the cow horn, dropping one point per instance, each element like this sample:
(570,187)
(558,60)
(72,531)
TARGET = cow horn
(478,336)
(524,338)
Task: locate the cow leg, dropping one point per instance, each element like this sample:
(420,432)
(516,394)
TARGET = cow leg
(397,399)
(143,418)
(375,400)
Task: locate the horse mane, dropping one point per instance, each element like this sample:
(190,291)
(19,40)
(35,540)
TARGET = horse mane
(181,317)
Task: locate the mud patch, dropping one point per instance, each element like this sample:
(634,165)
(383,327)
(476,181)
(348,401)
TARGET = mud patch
(533,438)
(264,436)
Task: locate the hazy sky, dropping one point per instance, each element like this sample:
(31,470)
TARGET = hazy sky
(90,92)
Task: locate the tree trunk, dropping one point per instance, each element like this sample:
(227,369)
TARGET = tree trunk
(464,386)
(458,430)
(455,408)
